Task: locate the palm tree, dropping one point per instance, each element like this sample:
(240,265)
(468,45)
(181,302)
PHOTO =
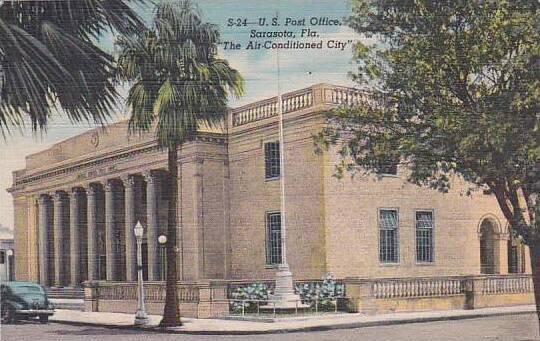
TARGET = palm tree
(178,83)
(49,59)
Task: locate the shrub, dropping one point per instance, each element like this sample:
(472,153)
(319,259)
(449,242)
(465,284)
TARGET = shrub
(322,293)
(251,293)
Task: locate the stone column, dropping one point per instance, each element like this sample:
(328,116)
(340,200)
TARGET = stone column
(360,296)
(500,253)
(199,250)
(110,251)
(473,292)
(44,226)
(75,236)
(92,237)
(131,247)
(151,230)
(59,260)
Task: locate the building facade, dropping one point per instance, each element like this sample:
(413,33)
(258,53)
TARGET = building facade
(77,202)
(7,255)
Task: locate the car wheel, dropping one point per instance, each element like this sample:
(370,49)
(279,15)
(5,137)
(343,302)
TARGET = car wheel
(43,318)
(8,315)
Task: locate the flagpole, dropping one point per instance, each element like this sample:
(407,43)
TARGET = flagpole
(284,297)
(284,262)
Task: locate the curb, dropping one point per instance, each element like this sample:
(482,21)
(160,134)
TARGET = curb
(351,325)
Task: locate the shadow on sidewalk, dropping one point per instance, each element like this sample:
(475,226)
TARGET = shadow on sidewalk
(96,331)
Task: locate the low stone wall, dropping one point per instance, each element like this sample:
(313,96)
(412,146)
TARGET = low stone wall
(497,290)
(208,299)
(203,299)
(373,296)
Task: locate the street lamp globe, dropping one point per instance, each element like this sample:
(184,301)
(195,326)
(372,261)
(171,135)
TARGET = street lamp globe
(162,239)
(138,230)
(9,252)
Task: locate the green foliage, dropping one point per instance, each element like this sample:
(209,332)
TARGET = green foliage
(455,90)
(49,60)
(178,81)
(323,294)
(246,297)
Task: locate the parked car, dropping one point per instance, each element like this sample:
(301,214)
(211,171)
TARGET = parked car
(24,300)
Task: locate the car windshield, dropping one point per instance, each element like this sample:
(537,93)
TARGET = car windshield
(26,289)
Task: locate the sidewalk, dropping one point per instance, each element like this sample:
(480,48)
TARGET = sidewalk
(281,325)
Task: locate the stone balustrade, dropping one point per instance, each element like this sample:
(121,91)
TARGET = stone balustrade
(346,96)
(202,299)
(206,299)
(418,287)
(496,285)
(438,293)
(298,100)
(153,292)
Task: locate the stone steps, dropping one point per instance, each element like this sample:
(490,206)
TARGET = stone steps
(69,304)
(65,293)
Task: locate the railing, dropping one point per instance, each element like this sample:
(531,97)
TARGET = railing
(314,296)
(252,113)
(198,299)
(232,285)
(446,286)
(417,287)
(153,292)
(374,295)
(347,96)
(253,307)
(493,285)
(297,100)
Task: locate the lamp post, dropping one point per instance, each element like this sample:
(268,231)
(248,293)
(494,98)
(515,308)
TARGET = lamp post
(140,317)
(162,240)
(9,253)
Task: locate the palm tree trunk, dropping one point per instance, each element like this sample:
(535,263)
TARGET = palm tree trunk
(171,313)
(1,80)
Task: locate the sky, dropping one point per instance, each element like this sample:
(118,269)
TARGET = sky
(298,69)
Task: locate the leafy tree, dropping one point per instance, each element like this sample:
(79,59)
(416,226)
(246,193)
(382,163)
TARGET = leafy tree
(177,83)
(454,89)
(49,59)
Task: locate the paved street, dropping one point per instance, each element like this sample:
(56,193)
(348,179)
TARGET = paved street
(517,327)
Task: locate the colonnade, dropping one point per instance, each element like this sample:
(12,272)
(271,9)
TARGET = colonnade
(86,232)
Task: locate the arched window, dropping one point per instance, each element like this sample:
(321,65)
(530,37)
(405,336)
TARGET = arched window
(487,249)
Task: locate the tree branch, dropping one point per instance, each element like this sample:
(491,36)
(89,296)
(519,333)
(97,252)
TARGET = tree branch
(499,192)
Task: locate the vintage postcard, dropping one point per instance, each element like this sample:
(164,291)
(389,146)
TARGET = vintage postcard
(298,170)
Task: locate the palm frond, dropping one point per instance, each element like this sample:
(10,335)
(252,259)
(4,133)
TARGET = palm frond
(49,59)
(187,83)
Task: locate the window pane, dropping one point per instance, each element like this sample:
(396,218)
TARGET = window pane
(512,259)
(271,160)
(388,166)
(424,236)
(388,236)
(273,243)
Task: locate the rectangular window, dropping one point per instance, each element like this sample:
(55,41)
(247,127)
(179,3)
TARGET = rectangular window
(388,236)
(512,259)
(271,160)
(273,240)
(388,166)
(2,257)
(514,246)
(424,236)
